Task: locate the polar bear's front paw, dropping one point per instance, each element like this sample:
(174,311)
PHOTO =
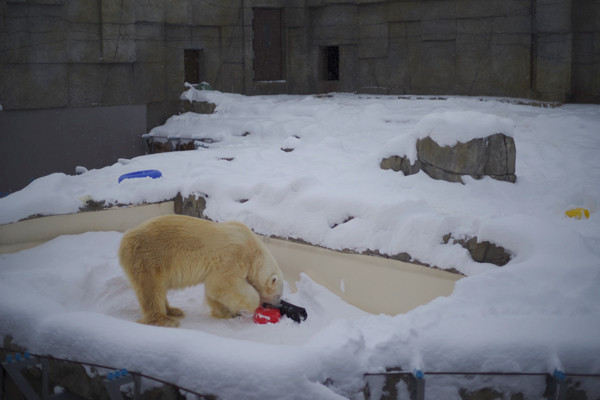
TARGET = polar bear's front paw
(221,312)
(218,310)
(161,320)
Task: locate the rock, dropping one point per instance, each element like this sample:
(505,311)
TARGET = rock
(482,252)
(404,257)
(493,156)
(198,107)
(155,146)
(75,379)
(336,224)
(481,394)
(449,162)
(397,163)
(192,206)
(94,205)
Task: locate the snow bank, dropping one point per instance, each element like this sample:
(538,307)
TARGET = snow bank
(449,127)
(70,298)
(539,312)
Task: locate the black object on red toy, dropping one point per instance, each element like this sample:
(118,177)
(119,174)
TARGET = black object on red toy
(290,310)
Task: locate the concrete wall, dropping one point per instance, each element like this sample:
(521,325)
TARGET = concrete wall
(71,53)
(35,143)
(543,49)
(585,22)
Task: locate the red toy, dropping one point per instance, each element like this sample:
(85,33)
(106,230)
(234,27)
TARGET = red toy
(264,315)
(271,314)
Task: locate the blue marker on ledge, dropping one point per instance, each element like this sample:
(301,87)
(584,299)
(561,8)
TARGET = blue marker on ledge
(148,173)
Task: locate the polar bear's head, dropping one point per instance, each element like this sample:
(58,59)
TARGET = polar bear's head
(269,280)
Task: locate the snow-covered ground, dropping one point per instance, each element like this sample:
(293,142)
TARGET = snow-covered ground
(541,311)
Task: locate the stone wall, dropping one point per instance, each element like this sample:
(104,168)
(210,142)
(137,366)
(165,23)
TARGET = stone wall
(543,49)
(69,53)
(585,73)
(517,48)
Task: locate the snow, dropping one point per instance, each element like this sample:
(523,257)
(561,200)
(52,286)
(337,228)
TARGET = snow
(541,311)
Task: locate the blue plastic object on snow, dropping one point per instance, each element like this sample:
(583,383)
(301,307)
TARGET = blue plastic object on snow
(148,173)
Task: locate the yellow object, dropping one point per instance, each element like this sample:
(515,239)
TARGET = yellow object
(578,213)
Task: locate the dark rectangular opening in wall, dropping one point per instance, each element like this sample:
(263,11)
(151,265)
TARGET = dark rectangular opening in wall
(331,63)
(192,65)
(267,44)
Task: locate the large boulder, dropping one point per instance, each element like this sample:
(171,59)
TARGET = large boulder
(493,156)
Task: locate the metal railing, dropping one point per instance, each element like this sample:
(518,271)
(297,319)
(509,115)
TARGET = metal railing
(556,382)
(113,380)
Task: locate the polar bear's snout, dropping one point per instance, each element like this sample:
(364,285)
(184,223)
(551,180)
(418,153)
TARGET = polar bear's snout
(275,301)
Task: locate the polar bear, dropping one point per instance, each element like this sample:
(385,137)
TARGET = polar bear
(174,251)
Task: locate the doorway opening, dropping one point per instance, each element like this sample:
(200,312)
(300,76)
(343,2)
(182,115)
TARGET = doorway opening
(192,66)
(267,44)
(330,70)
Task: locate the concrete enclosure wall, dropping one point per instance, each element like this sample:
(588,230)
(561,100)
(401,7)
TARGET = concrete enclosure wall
(34,143)
(72,54)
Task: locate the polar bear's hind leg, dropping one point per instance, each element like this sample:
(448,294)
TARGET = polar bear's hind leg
(154,306)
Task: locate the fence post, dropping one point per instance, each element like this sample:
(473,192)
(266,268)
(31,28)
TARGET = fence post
(556,385)
(13,368)
(45,382)
(1,382)
(114,381)
(418,387)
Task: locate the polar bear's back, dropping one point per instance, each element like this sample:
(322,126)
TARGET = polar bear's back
(183,250)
